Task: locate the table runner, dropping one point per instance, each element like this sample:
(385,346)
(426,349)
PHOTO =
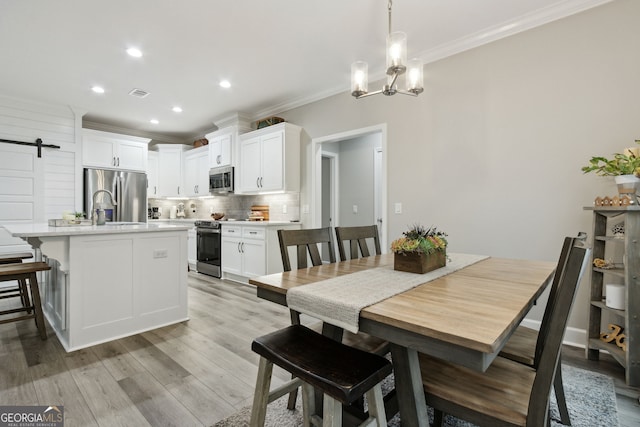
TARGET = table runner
(339,300)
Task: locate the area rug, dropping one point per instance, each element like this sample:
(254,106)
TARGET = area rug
(591,399)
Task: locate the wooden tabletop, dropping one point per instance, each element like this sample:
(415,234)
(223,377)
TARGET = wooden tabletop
(476,307)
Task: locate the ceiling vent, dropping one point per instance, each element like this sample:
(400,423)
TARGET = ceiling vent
(139,93)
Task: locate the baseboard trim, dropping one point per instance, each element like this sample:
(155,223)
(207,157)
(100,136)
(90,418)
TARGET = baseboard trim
(574,337)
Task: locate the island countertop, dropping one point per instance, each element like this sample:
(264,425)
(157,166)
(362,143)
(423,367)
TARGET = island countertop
(44,230)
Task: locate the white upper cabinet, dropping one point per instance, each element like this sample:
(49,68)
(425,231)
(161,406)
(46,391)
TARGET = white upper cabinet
(270,159)
(196,172)
(220,150)
(114,151)
(170,167)
(153,159)
(223,145)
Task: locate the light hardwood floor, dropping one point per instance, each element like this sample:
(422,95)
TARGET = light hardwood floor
(193,373)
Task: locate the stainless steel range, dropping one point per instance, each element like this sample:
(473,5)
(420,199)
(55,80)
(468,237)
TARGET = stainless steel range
(209,248)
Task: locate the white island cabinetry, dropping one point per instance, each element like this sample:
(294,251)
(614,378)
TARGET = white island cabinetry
(109,282)
(251,249)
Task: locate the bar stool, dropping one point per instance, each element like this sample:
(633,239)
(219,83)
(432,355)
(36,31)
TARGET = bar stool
(344,374)
(21,290)
(25,273)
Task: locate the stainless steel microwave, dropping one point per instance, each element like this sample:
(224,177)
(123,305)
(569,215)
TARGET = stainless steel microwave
(221,180)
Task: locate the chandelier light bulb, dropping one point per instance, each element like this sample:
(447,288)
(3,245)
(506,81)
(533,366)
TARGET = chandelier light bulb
(359,78)
(396,52)
(415,76)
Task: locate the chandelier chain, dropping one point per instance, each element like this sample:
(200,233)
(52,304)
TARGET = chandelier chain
(389,6)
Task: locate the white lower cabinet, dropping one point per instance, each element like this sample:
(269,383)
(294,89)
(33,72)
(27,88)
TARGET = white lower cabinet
(251,250)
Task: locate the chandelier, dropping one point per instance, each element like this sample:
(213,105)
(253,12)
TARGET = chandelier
(397,65)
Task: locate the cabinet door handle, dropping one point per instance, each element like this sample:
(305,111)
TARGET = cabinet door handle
(118,161)
(260,182)
(238,246)
(219,159)
(242,246)
(155,189)
(114,161)
(178,189)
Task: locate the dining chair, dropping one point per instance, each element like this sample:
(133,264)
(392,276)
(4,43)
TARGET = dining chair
(343,374)
(508,393)
(357,237)
(307,241)
(522,345)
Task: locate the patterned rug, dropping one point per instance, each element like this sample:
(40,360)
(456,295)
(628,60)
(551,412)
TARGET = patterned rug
(591,399)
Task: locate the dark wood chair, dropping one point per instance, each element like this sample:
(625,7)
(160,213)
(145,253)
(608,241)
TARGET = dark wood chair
(522,345)
(25,272)
(343,374)
(22,289)
(357,237)
(310,241)
(508,393)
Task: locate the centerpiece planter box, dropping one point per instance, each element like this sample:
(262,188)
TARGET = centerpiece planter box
(419,262)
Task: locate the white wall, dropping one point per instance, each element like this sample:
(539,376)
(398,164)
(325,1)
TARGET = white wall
(491,151)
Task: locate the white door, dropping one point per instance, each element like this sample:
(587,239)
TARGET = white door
(250,162)
(254,257)
(231,255)
(131,156)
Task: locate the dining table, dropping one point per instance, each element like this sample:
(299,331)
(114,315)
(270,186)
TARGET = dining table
(464,316)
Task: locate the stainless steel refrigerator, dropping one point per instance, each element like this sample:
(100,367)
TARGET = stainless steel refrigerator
(129,190)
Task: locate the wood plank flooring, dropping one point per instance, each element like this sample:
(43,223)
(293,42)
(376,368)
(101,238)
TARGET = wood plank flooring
(190,374)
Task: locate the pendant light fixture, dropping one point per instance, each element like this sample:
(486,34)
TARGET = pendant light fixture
(396,66)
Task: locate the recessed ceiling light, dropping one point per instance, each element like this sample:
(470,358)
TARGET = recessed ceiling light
(225,84)
(136,53)
(97,89)
(154,121)
(177,109)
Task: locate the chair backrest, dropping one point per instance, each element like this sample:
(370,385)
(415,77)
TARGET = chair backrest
(569,242)
(550,343)
(357,237)
(306,241)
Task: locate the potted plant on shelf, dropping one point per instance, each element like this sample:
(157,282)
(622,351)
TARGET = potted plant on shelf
(624,167)
(420,250)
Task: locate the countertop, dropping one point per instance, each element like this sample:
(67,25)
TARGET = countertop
(222,222)
(44,230)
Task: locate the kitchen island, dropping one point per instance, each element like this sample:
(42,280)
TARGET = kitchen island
(110,281)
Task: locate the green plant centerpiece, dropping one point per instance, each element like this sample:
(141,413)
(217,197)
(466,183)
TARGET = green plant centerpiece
(420,250)
(624,167)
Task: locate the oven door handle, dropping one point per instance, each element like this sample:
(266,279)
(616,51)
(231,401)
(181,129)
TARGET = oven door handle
(207,231)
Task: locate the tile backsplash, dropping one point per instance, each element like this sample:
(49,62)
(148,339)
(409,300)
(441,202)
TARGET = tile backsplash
(282,207)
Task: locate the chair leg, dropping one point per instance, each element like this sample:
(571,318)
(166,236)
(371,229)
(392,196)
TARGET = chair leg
(308,404)
(37,307)
(331,412)
(24,294)
(438,418)
(293,396)
(261,394)
(376,405)
(558,387)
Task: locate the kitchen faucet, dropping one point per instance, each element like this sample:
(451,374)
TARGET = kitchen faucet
(94,212)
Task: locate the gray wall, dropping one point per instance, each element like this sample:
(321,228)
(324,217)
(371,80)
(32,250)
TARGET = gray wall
(491,151)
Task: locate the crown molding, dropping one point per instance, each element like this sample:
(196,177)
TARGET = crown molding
(509,28)
(506,29)
(156,138)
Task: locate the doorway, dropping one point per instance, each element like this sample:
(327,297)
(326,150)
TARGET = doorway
(360,197)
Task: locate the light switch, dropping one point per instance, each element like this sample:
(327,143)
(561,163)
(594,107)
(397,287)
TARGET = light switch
(355,209)
(284,209)
(305,209)
(398,208)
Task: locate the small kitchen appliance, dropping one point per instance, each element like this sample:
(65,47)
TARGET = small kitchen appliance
(180,212)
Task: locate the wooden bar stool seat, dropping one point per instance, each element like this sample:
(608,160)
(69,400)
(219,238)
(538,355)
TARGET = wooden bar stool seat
(344,374)
(25,273)
(21,290)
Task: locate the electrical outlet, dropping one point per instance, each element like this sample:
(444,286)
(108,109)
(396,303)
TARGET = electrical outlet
(160,253)
(398,208)
(305,209)
(284,209)
(355,209)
